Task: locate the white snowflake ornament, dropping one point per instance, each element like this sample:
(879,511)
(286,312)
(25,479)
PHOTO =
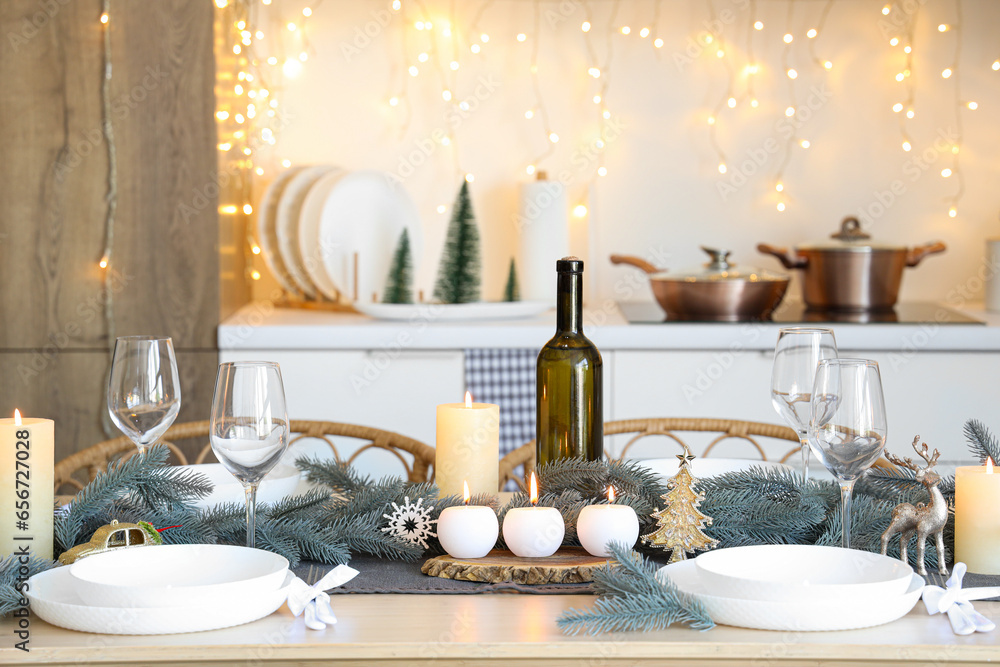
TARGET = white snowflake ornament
(411,522)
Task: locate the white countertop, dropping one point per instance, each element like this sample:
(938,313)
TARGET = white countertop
(262,326)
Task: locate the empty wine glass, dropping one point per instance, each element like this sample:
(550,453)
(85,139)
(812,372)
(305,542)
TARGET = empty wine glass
(249,427)
(144,392)
(848,426)
(796,354)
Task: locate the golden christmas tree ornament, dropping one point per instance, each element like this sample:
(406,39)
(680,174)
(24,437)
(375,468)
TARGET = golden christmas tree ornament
(680,522)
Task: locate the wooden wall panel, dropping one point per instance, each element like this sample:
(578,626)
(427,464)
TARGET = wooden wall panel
(53,166)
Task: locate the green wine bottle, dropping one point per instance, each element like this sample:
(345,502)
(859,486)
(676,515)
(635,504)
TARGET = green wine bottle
(569,398)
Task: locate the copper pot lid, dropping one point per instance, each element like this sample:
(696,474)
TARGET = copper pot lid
(719,269)
(850,238)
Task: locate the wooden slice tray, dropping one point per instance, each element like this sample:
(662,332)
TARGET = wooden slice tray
(569,565)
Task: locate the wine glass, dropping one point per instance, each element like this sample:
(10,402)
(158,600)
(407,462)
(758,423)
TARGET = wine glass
(249,427)
(144,392)
(847,426)
(796,354)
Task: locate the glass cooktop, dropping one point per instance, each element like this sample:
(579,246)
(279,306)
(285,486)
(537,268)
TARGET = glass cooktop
(795,312)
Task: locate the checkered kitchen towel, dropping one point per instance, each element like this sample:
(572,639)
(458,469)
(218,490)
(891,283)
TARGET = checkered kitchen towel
(507,378)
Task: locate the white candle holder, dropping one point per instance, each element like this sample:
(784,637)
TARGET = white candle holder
(468,531)
(533,532)
(599,524)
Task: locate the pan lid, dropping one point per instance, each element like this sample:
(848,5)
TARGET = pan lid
(850,238)
(720,269)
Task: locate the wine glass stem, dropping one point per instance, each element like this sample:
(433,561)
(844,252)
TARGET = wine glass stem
(805,459)
(251,492)
(846,489)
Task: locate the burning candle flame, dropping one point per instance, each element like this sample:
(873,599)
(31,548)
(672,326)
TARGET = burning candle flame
(534,490)
(17,417)
(468,399)
(989,466)
(611,494)
(465,492)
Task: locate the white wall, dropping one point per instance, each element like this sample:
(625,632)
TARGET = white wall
(661,193)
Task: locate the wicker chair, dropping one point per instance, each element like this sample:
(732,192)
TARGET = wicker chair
(95,458)
(665,426)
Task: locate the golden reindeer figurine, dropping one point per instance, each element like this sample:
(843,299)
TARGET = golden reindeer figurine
(924,520)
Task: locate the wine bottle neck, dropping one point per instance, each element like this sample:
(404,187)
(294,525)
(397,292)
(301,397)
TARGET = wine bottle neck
(569,303)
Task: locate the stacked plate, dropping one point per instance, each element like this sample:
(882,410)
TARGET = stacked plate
(325,231)
(162,589)
(798,587)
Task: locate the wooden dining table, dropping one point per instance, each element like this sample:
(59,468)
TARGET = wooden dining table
(501,629)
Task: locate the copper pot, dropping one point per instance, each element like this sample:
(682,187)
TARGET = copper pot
(850,272)
(718,292)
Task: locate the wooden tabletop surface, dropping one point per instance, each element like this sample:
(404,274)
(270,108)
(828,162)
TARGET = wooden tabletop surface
(502,630)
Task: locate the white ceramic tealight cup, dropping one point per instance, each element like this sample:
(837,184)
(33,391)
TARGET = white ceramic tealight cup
(599,524)
(533,532)
(468,531)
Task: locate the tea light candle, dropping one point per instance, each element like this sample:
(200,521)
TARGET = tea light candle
(468,447)
(599,524)
(27,463)
(977,525)
(468,531)
(533,532)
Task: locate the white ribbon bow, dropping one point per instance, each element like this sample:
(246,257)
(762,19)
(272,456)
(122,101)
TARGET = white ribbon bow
(314,601)
(957,603)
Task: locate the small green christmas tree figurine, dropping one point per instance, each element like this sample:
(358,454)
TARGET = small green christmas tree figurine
(512,292)
(459,272)
(680,522)
(399,282)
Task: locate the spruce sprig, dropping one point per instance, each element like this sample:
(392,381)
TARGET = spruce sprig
(982,444)
(634,598)
(10,575)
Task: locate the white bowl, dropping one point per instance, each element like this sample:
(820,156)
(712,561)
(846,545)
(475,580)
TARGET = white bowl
(798,572)
(54,600)
(702,468)
(175,575)
(804,616)
(280,483)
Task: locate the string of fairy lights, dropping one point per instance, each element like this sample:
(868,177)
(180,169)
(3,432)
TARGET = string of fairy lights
(436,48)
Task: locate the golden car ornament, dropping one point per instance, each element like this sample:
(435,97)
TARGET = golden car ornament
(116,535)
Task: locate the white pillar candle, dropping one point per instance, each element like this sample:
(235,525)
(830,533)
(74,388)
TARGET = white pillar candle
(468,447)
(533,532)
(977,525)
(599,524)
(469,531)
(27,461)
(543,231)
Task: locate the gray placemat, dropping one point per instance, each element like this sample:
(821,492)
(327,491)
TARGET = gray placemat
(389,576)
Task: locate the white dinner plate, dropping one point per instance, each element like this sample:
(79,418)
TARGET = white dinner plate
(365,213)
(807,616)
(709,467)
(453,312)
(287,224)
(309,242)
(267,236)
(54,600)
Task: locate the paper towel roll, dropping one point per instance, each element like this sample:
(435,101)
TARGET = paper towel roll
(543,224)
(991,293)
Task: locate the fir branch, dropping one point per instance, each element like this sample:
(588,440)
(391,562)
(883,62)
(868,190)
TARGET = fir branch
(633,598)
(982,444)
(12,578)
(295,506)
(338,476)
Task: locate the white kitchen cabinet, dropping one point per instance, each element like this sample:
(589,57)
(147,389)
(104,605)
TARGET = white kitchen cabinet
(927,393)
(396,392)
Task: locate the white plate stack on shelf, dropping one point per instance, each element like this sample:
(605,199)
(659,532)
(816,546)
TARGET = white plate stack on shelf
(798,587)
(326,232)
(162,589)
